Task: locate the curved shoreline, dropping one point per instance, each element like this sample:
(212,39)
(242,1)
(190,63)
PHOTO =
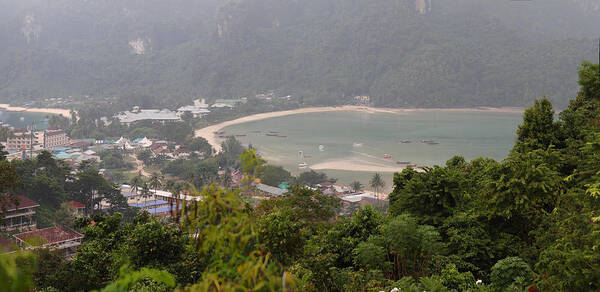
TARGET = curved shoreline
(208,132)
(57,111)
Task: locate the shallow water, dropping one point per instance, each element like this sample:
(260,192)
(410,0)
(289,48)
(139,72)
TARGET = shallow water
(25,119)
(357,138)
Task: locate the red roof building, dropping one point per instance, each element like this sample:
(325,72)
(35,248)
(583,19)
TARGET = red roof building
(17,213)
(78,208)
(20,202)
(76,204)
(54,238)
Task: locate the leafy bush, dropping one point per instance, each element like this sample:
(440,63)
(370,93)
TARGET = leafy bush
(506,271)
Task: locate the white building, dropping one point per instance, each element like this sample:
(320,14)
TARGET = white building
(199,109)
(137,115)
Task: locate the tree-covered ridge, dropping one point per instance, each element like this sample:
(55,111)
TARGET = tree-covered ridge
(461,53)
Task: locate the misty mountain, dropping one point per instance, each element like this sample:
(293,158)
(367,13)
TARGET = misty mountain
(401,52)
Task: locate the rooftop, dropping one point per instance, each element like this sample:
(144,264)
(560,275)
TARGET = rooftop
(357,197)
(150,114)
(325,184)
(149,204)
(50,235)
(22,202)
(54,132)
(271,190)
(76,204)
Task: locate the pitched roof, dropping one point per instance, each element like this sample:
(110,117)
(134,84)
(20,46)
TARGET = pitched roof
(54,132)
(325,184)
(76,204)
(271,190)
(22,203)
(50,235)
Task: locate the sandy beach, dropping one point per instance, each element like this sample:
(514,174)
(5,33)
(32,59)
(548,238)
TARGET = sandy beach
(58,111)
(208,132)
(354,165)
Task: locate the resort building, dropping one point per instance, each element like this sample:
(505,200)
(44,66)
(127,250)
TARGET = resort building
(157,202)
(37,140)
(59,238)
(199,109)
(55,138)
(156,115)
(23,139)
(230,103)
(18,214)
(359,200)
(270,191)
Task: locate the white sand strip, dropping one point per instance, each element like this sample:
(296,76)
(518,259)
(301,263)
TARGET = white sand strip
(208,132)
(57,111)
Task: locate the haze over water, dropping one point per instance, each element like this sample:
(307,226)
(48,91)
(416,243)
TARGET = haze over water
(358,140)
(25,119)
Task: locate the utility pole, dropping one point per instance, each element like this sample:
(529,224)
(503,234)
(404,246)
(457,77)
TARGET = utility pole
(31,131)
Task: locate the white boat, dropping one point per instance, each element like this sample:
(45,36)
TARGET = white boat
(321,148)
(355,145)
(302,165)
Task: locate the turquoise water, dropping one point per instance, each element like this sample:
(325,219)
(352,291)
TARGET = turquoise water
(24,119)
(366,137)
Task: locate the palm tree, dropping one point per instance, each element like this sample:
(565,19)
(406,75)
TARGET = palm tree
(145,192)
(170,186)
(356,186)
(136,183)
(178,189)
(155,182)
(377,183)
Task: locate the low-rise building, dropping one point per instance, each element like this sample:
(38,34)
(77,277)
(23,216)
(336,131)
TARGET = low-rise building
(198,109)
(359,200)
(55,138)
(37,140)
(157,115)
(78,208)
(270,191)
(59,238)
(23,139)
(18,214)
(230,103)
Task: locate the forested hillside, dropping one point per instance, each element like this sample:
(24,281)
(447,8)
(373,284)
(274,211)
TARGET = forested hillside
(527,223)
(400,52)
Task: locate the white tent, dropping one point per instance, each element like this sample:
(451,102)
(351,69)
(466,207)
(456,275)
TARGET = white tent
(145,142)
(128,146)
